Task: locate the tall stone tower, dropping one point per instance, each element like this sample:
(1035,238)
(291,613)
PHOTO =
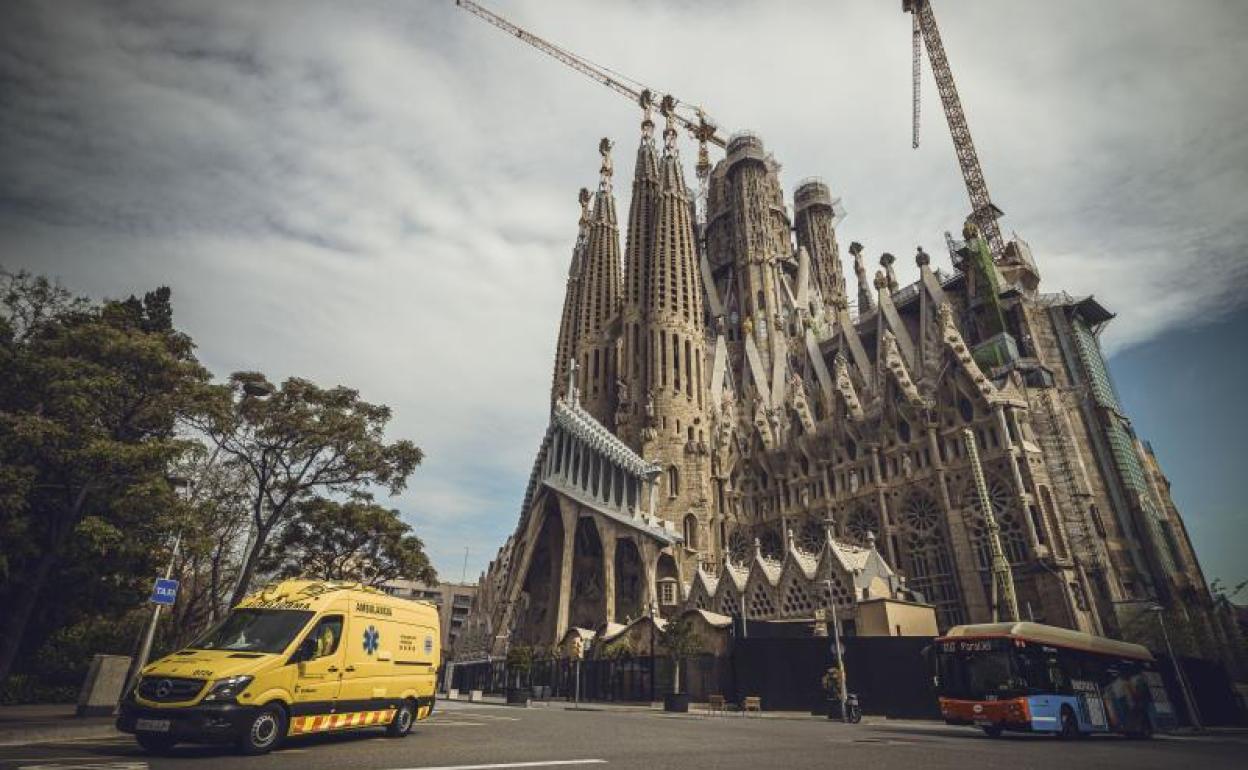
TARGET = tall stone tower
(635,371)
(664,338)
(598,299)
(814,220)
(565,347)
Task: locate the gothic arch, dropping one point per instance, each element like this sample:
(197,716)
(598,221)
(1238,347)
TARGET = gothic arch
(926,556)
(691,531)
(588,603)
(539,599)
(630,581)
(1009,519)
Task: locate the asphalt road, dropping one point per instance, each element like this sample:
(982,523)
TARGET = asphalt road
(471,737)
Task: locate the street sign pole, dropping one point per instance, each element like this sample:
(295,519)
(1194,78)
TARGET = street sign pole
(149,636)
(836,645)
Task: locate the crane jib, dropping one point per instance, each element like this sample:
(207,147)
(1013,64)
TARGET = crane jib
(703,129)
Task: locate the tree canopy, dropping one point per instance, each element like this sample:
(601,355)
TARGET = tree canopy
(113,440)
(90,400)
(355,541)
(299,441)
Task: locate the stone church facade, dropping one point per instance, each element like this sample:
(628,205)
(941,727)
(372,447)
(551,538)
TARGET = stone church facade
(721,400)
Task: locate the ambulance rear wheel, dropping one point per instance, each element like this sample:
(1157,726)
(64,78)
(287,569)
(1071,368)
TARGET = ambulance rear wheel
(154,743)
(403,719)
(264,732)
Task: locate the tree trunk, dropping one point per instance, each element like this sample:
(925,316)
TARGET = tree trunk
(22,609)
(249,567)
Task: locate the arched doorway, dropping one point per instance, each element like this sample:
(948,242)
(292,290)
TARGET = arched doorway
(539,598)
(588,605)
(630,581)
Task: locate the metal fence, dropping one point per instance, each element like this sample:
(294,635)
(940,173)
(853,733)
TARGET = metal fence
(636,679)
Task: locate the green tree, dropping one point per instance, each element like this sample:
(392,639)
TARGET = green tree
(681,640)
(356,541)
(299,442)
(90,400)
(214,528)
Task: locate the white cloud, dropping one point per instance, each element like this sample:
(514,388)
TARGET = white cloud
(383,194)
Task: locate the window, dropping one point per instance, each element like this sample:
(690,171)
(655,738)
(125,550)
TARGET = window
(691,531)
(1094,513)
(673,481)
(1081,596)
(255,631)
(667,592)
(327,635)
(1037,524)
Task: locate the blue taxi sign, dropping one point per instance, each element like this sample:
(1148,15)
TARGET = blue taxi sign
(164,592)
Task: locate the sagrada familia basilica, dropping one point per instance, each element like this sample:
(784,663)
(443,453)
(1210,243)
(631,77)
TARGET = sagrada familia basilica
(733,428)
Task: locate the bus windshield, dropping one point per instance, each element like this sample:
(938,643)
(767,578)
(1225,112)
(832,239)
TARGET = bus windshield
(981,669)
(254,631)
(978,675)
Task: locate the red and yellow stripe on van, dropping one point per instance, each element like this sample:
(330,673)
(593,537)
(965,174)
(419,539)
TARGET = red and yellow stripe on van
(320,723)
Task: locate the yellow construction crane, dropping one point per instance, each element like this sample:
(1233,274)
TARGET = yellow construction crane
(983,211)
(699,124)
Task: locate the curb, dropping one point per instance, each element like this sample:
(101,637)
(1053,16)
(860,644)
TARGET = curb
(54,734)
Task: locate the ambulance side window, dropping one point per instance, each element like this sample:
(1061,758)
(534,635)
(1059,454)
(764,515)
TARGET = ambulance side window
(323,640)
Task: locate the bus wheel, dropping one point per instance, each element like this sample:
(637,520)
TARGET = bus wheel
(1070,726)
(402,723)
(992,731)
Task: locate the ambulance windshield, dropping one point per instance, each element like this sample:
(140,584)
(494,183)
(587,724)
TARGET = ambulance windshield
(255,631)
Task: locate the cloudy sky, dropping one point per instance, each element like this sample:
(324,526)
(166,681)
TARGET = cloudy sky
(383,193)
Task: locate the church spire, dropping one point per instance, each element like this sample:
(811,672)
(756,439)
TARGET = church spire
(815,217)
(565,347)
(666,331)
(635,364)
(599,298)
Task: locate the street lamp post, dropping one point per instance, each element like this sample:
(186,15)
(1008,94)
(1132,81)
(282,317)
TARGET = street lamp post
(1178,672)
(836,646)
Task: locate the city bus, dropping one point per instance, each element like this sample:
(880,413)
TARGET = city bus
(1035,678)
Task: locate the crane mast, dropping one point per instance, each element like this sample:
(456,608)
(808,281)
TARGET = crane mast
(983,212)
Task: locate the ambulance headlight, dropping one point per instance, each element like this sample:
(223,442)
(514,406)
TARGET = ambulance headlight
(227,689)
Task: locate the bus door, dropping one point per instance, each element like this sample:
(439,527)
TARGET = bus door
(1091,706)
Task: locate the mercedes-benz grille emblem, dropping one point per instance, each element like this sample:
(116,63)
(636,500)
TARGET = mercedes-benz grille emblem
(163,688)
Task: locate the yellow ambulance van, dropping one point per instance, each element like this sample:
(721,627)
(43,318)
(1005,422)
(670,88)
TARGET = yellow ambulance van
(296,658)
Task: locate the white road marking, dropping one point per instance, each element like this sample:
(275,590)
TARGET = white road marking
(546,763)
(49,759)
(442,723)
(95,765)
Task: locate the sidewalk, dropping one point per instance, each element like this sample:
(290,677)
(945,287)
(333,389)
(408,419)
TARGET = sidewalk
(695,709)
(42,723)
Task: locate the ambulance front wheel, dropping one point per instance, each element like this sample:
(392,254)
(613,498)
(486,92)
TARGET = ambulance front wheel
(402,723)
(265,730)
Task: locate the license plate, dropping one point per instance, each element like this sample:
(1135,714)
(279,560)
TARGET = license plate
(152,725)
(982,721)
